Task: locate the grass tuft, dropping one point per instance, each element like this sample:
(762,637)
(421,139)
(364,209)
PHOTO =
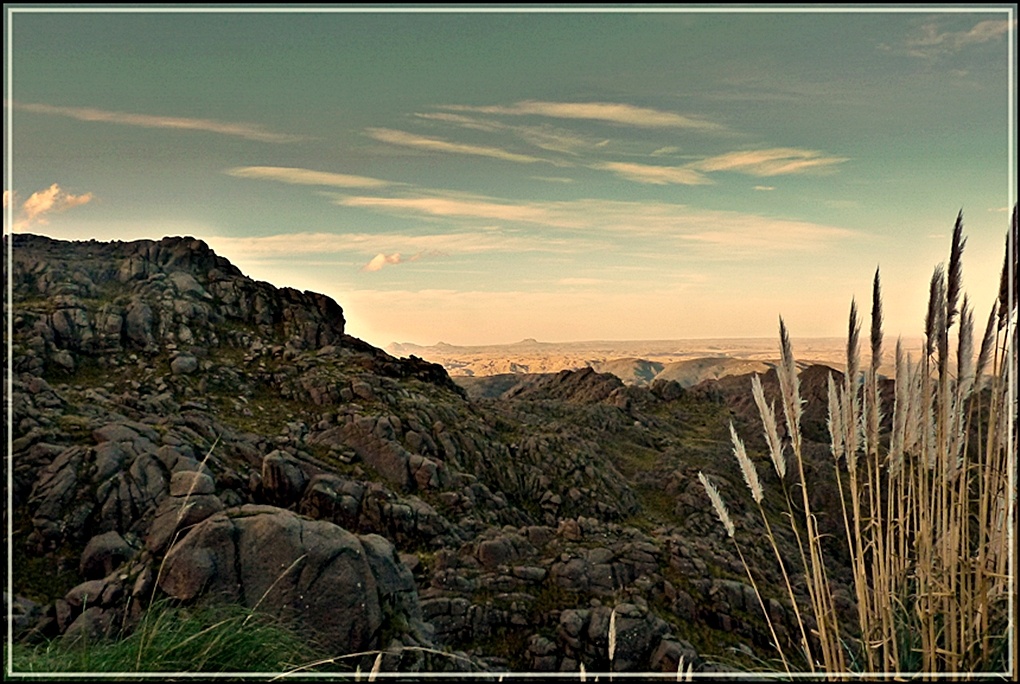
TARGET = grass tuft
(221,638)
(927,504)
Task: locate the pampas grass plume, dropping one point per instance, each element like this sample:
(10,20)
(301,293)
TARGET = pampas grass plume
(717,504)
(746,467)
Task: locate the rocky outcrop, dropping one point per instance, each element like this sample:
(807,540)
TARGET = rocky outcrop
(182,432)
(89,298)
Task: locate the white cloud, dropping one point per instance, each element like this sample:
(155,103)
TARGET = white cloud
(380,260)
(931,41)
(243,130)
(39,205)
(610,112)
(298,176)
(764,188)
(405,139)
(772,162)
(656,175)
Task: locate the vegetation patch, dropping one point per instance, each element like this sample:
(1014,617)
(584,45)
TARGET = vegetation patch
(171,638)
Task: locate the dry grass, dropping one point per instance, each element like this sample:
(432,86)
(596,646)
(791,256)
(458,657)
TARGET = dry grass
(927,505)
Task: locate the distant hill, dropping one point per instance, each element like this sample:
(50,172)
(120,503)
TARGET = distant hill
(638,362)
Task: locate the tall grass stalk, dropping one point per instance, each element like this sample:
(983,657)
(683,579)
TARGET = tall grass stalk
(926,500)
(724,517)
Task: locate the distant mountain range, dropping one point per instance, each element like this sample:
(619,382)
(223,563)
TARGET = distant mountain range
(636,362)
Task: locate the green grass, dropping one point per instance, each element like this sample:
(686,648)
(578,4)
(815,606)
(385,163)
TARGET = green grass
(177,639)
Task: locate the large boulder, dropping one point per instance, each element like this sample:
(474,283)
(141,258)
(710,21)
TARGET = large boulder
(319,577)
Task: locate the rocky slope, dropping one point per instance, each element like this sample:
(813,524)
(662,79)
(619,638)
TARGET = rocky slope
(181,431)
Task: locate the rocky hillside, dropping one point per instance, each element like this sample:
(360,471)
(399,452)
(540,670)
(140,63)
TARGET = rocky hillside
(183,432)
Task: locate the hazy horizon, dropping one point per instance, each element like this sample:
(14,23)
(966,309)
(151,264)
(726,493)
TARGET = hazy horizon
(622,341)
(486,176)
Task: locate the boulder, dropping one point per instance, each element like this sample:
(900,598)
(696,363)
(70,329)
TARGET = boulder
(312,573)
(185,364)
(103,554)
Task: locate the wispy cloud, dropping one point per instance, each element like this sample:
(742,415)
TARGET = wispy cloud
(772,162)
(471,207)
(298,176)
(747,235)
(764,188)
(931,41)
(39,205)
(656,175)
(542,136)
(720,234)
(248,131)
(421,142)
(286,246)
(609,112)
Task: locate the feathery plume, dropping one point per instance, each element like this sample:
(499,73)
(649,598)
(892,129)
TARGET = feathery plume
(941,330)
(849,401)
(987,342)
(899,409)
(930,320)
(612,635)
(873,399)
(876,324)
(746,467)
(1004,279)
(717,504)
(853,350)
(768,421)
(835,421)
(965,352)
(911,421)
(789,385)
(955,271)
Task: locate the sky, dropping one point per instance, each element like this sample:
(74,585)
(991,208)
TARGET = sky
(482,177)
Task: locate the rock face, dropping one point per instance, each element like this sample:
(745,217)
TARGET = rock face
(178,293)
(183,432)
